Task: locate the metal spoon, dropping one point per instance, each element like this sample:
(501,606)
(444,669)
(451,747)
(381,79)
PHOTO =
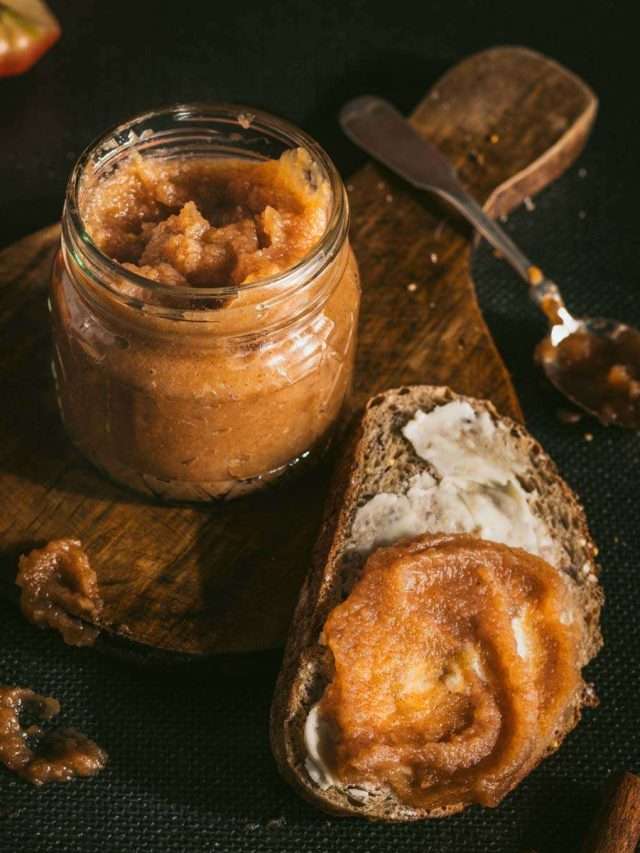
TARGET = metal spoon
(593,361)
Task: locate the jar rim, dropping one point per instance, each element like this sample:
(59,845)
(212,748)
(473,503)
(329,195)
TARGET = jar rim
(123,136)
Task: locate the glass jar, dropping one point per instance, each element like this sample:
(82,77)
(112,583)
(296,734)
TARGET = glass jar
(200,393)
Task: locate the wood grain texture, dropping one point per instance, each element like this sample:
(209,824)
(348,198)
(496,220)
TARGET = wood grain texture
(200,580)
(616,828)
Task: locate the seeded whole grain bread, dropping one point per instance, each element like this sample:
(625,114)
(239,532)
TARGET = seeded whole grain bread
(379,459)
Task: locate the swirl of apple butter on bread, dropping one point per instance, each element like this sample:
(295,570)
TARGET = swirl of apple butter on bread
(437,650)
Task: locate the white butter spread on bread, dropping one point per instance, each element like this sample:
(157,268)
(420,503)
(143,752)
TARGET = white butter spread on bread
(315,737)
(318,736)
(474,488)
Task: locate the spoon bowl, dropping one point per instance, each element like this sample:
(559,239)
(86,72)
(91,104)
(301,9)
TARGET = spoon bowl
(596,364)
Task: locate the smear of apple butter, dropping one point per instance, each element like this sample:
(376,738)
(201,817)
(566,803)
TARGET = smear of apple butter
(455,661)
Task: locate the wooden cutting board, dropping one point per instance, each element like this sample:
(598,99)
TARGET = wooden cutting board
(205,579)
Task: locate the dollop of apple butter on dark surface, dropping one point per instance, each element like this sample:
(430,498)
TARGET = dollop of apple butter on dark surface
(57,755)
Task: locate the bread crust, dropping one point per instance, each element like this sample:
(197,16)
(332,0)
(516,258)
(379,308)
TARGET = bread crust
(304,669)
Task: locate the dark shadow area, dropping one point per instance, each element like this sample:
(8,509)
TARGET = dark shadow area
(561,815)
(410,81)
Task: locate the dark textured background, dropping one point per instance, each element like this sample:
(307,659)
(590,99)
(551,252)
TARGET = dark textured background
(190,763)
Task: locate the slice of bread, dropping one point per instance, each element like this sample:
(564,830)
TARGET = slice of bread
(379,459)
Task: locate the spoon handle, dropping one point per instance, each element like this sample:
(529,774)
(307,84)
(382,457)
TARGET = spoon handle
(379,129)
(542,290)
(490,230)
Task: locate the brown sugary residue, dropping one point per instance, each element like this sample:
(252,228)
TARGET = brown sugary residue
(245,120)
(59,755)
(535,275)
(208,222)
(551,304)
(60,591)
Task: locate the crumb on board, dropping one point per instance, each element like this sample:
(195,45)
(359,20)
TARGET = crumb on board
(504,218)
(433,257)
(582,173)
(412,287)
(569,416)
(529,204)
(245,120)
(388,198)
(582,214)
(588,436)
(494,139)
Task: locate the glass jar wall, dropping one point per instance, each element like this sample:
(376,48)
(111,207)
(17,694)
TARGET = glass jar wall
(197,392)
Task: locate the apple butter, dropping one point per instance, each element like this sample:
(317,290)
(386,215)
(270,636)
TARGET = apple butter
(57,755)
(204,303)
(235,221)
(601,372)
(455,660)
(59,590)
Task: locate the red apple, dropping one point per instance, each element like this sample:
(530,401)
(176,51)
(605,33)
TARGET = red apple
(27,29)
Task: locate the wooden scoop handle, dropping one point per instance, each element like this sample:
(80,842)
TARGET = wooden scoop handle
(616,828)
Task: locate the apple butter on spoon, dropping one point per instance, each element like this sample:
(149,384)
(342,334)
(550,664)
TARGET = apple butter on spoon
(593,361)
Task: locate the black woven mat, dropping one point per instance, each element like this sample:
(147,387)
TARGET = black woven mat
(190,763)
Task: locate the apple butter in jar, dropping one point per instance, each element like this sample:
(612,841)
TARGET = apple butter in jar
(204,302)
